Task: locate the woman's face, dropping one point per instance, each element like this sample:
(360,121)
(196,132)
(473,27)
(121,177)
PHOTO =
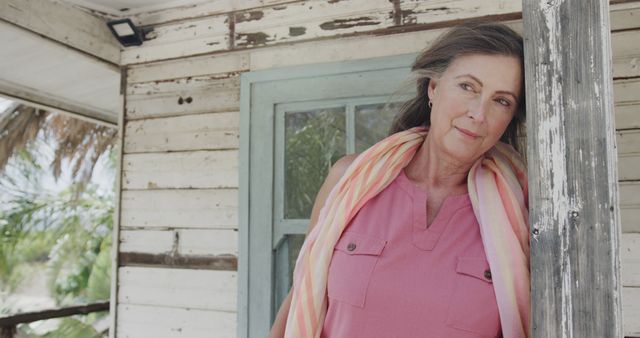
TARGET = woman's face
(473,102)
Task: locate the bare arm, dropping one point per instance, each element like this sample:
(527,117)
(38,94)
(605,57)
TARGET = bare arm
(336,172)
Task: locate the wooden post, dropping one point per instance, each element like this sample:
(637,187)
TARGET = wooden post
(7,331)
(575,265)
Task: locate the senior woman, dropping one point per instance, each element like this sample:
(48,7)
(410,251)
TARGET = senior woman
(425,233)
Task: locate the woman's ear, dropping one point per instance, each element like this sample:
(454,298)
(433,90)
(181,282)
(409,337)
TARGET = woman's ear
(431,88)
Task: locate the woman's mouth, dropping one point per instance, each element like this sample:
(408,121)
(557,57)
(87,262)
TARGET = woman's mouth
(467,132)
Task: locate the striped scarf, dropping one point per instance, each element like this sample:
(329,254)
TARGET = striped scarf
(497,187)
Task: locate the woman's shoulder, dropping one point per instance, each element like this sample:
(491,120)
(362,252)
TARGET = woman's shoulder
(340,167)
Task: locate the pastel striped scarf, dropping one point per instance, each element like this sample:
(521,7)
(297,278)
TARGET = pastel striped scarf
(497,187)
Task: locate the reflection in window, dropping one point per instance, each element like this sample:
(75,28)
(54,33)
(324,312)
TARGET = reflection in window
(314,140)
(373,122)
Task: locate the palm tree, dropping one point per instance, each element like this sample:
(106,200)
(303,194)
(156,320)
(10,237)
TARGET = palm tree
(80,142)
(68,229)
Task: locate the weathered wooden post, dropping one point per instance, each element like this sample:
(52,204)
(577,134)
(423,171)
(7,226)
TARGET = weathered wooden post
(574,215)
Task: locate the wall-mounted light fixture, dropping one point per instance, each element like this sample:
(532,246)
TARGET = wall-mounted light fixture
(127,33)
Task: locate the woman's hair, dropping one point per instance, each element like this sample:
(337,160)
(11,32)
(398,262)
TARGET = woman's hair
(469,38)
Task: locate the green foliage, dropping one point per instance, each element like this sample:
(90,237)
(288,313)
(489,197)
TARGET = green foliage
(69,327)
(68,229)
(314,141)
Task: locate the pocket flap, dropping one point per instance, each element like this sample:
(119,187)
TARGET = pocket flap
(477,267)
(356,244)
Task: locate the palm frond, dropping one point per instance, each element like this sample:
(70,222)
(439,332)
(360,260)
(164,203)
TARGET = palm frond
(18,128)
(79,142)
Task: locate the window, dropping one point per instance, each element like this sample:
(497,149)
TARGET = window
(295,123)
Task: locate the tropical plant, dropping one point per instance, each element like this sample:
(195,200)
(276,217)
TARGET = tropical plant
(69,227)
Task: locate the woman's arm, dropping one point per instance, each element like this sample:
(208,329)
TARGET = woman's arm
(335,173)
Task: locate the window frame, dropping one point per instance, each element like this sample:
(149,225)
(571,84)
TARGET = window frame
(256,271)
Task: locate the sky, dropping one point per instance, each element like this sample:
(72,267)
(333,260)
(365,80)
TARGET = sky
(4,103)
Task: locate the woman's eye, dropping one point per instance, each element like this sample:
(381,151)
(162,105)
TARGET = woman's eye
(504,102)
(466,86)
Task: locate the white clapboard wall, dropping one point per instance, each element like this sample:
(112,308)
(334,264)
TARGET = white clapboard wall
(179,200)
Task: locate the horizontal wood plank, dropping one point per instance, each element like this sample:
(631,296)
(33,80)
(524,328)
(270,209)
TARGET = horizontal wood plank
(627,116)
(630,206)
(147,241)
(191,132)
(430,12)
(629,167)
(183,241)
(310,20)
(192,83)
(179,288)
(183,97)
(135,321)
(625,92)
(189,67)
(630,259)
(628,143)
(631,311)
(208,242)
(175,261)
(627,103)
(206,8)
(193,169)
(626,53)
(174,40)
(343,49)
(180,208)
(624,15)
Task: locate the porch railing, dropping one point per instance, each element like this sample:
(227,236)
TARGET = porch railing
(9,323)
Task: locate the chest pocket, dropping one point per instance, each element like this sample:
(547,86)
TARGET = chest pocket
(473,306)
(354,258)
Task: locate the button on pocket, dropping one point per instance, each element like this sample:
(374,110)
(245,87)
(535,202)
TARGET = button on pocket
(473,304)
(354,258)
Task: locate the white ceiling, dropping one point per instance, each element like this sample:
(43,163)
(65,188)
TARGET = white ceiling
(49,73)
(121,8)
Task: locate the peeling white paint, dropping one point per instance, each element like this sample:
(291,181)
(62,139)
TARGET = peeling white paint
(553,146)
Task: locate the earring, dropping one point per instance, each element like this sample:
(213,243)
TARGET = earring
(430,104)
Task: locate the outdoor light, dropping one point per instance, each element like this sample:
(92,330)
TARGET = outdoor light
(127,33)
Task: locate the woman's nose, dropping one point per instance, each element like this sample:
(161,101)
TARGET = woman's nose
(477,110)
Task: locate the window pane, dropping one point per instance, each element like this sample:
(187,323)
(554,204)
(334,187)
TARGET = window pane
(314,140)
(373,122)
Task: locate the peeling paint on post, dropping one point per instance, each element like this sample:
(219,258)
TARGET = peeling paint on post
(572,170)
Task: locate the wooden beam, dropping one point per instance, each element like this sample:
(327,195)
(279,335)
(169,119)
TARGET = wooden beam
(65,24)
(33,97)
(35,316)
(226,262)
(575,263)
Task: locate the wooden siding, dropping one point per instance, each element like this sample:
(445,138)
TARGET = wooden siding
(180,167)
(178,288)
(306,20)
(136,321)
(182,241)
(180,208)
(194,169)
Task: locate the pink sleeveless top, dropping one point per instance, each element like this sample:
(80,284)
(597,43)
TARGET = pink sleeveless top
(392,277)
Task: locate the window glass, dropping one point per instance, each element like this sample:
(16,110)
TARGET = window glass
(314,140)
(373,122)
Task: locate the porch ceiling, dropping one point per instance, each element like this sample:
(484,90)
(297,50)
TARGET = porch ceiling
(39,71)
(124,8)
